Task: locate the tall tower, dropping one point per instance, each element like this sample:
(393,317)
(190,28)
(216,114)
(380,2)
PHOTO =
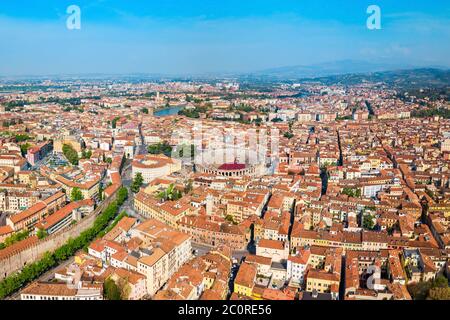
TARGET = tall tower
(209,204)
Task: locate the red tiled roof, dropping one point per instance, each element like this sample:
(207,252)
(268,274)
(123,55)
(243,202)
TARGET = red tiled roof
(232,166)
(34,209)
(62,213)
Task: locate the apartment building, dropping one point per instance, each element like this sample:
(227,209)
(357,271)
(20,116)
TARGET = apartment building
(61,291)
(245,279)
(168,212)
(28,218)
(204,230)
(168,251)
(62,218)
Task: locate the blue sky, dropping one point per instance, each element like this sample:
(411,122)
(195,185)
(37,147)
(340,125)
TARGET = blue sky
(201,36)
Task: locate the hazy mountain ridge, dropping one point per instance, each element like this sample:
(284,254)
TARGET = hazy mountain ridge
(413,78)
(344,72)
(329,69)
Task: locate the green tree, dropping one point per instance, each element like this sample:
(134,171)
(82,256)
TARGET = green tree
(368,222)
(144,110)
(111,290)
(122,195)
(433,290)
(160,148)
(86,154)
(125,288)
(419,291)
(113,224)
(352,192)
(426,113)
(288,135)
(100,192)
(41,234)
(24,148)
(137,183)
(440,282)
(22,137)
(16,237)
(76,195)
(230,219)
(70,153)
(114,122)
(170,194)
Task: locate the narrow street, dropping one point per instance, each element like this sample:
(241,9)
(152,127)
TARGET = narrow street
(324,177)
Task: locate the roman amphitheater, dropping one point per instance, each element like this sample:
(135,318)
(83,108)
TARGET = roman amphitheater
(231,162)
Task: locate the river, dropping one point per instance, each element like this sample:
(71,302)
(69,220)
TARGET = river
(167,111)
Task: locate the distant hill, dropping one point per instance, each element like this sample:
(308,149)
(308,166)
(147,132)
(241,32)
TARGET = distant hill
(403,79)
(329,69)
(356,71)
